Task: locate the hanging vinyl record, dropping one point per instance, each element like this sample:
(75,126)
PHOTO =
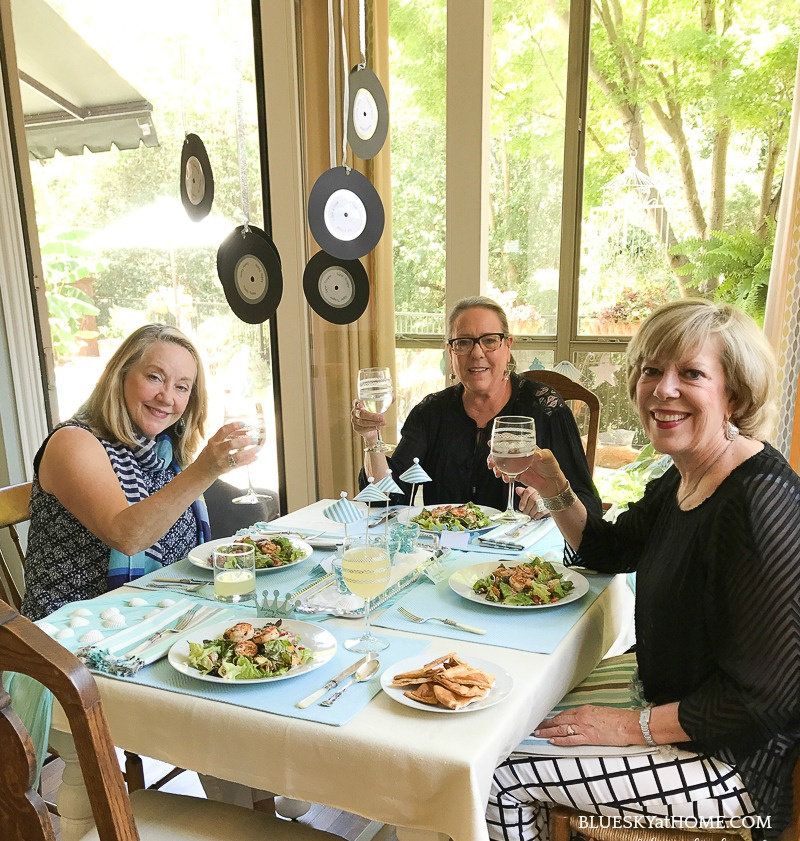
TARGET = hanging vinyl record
(250,273)
(345,213)
(337,290)
(197,180)
(368,113)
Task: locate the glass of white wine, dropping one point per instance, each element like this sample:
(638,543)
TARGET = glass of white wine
(365,569)
(376,392)
(234,573)
(513,445)
(251,414)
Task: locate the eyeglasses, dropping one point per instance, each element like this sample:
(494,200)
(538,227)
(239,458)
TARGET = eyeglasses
(488,341)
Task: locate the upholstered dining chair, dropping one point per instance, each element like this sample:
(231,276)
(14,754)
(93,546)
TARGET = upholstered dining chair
(570,390)
(144,815)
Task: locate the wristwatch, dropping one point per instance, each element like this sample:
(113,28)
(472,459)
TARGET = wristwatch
(644,726)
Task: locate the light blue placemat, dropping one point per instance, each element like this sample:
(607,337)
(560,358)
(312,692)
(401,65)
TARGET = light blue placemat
(536,630)
(277,697)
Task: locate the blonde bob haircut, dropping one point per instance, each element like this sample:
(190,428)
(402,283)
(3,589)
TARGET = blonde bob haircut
(106,413)
(749,365)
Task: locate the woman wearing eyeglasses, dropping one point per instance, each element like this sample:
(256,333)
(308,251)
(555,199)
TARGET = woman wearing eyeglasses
(449,431)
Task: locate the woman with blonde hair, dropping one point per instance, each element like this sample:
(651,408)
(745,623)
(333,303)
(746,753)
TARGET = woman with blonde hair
(715,544)
(115,491)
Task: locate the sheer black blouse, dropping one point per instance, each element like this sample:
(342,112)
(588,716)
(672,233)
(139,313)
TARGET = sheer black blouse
(718,615)
(453,449)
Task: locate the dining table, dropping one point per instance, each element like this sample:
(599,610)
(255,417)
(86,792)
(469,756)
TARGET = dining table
(427,772)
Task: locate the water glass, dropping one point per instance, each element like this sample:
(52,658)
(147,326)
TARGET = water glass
(234,573)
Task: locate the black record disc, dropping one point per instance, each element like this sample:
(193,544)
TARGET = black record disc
(197,180)
(250,273)
(368,113)
(345,213)
(337,290)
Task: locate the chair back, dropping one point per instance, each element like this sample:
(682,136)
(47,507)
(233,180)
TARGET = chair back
(14,502)
(572,391)
(26,649)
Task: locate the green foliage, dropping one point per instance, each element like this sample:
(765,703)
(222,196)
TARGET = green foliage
(735,265)
(626,485)
(66,261)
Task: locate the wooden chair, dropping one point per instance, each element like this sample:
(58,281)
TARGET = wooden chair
(570,390)
(144,816)
(14,501)
(14,505)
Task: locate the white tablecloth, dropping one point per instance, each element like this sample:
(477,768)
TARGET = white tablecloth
(402,766)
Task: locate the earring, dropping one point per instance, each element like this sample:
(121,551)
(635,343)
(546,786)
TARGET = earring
(452,377)
(731,430)
(180,427)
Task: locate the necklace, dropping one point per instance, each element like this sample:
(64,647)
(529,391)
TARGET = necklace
(696,484)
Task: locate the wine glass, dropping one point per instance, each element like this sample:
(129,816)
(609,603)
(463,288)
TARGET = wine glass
(365,570)
(249,412)
(375,391)
(513,445)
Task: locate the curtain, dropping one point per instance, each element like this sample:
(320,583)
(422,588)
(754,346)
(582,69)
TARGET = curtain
(340,350)
(782,318)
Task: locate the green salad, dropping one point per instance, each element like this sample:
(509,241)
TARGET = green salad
(231,657)
(452,518)
(273,551)
(528,583)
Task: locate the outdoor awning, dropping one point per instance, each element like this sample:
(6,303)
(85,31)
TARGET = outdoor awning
(71,97)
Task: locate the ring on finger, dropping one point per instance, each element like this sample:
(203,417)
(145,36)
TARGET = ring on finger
(540,506)
(231,459)
(570,730)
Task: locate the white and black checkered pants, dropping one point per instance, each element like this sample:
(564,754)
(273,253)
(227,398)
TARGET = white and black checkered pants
(675,784)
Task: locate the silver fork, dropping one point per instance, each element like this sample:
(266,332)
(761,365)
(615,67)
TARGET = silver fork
(407,614)
(179,626)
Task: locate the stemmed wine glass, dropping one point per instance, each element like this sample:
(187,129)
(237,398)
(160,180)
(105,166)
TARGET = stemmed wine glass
(375,391)
(249,412)
(365,570)
(513,445)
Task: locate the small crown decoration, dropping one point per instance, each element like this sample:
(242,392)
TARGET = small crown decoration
(276,607)
(388,485)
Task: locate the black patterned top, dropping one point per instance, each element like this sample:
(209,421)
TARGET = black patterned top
(718,615)
(453,449)
(65,562)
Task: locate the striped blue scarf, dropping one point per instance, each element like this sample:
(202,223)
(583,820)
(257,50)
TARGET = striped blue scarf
(130,465)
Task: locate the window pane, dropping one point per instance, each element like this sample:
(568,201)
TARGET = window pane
(685,148)
(529,73)
(118,247)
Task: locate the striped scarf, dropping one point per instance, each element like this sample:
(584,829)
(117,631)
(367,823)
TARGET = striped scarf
(131,465)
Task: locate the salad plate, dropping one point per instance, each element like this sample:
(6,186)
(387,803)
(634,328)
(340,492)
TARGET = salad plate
(321,644)
(200,556)
(462,581)
(503,684)
(415,510)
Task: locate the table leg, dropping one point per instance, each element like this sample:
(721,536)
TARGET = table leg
(73,799)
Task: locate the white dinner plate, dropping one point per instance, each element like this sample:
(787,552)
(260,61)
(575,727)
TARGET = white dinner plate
(503,684)
(200,556)
(416,510)
(462,580)
(321,643)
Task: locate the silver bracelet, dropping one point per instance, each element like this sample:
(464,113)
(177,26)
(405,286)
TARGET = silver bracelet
(644,726)
(564,500)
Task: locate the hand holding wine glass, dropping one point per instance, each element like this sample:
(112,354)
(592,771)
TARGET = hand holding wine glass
(250,413)
(512,447)
(376,392)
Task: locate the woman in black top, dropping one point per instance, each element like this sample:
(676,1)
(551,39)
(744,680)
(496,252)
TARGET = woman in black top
(715,543)
(449,431)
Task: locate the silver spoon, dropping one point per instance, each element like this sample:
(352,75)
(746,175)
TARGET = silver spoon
(363,673)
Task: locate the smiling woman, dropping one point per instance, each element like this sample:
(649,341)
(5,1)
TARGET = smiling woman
(115,493)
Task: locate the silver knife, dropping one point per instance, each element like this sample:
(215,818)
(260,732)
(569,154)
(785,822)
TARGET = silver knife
(334,681)
(501,544)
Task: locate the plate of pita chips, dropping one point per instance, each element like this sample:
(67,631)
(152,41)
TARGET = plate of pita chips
(448,684)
